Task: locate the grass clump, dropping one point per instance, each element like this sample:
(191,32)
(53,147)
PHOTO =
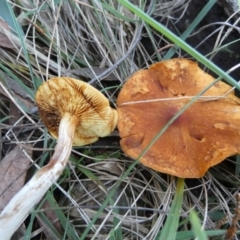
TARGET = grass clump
(102,194)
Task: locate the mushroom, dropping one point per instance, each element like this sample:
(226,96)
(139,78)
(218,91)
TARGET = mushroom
(87,108)
(77,114)
(205,134)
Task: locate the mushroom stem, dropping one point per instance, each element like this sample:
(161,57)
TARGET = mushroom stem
(18,208)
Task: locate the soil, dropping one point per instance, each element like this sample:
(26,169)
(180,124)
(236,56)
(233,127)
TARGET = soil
(227,57)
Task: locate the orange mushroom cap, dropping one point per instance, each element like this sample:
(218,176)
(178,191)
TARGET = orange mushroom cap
(63,95)
(201,137)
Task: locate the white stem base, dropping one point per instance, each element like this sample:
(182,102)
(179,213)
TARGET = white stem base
(20,205)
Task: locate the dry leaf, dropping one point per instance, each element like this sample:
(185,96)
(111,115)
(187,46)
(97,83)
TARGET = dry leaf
(15,114)
(14,164)
(4,39)
(26,102)
(19,94)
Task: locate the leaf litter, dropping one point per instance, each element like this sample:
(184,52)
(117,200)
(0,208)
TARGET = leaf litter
(13,169)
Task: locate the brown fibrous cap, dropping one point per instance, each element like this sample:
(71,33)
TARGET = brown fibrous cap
(202,136)
(62,95)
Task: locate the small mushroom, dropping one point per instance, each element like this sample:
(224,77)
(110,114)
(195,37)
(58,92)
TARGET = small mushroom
(76,113)
(88,108)
(202,136)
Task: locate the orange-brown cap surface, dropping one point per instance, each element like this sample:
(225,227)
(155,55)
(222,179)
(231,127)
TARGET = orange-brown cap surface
(62,95)
(202,136)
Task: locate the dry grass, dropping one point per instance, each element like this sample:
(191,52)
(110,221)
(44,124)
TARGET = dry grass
(101,43)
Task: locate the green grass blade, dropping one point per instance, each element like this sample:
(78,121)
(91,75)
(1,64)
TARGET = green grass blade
(21,37)
(53,231)
(27,234)
(192,26)
(199,233)
(116,232)
(179,42)
(183,235)
(169,230)
(5,14)
(237,170)
(65,222)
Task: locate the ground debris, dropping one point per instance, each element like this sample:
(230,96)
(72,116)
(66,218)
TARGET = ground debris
(12,173)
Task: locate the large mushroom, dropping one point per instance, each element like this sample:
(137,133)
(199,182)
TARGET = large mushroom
(202,136)
(77,114)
